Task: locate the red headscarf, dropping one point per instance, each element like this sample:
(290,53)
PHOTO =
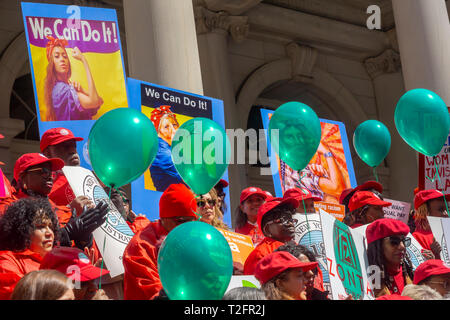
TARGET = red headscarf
(52,43)
(158,113)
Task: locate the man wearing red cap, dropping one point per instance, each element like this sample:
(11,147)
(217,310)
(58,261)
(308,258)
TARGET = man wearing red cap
(366,207)
(77,267)
(141,279)
(304,197)
(246,214)
(435,274)
(428,203)
(276,223)
(386,248)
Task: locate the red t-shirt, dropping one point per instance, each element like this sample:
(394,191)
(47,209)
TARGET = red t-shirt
(252,231)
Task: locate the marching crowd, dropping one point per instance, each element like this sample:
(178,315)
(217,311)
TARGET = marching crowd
(47,250)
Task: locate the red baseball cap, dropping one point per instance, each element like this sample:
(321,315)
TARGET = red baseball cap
(394,297)
(32,159)
(177,201)
(271,204)
(361,198)
(385,227)
(429,268)
(425,195)
(368,185)
(56,136)
(222,183)
(275,263)
(269,195)
(73,263)
(247,192)
(300,194)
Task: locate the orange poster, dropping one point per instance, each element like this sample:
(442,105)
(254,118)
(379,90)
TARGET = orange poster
(336,210)
(240,245)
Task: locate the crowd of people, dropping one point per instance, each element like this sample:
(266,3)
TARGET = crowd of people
(47,250)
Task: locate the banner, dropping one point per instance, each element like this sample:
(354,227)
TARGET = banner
(308,233)
(346,260)
(321,172)
(437,228)
(113,236)
(413,252)
(399,210)
(168,109)
(76,65)
(241,245)
(427,170)
(336,210)
(243,281)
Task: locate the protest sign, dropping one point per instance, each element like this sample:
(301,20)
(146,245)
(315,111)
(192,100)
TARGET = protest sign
(113,236)
(436,225)
(334,168)
(427,170)
(241,245)
(398,210)
(308,233)
(336,210)
(170,108)
(413,252)
(346,259)
(243,281)
(81,47)
(446,229)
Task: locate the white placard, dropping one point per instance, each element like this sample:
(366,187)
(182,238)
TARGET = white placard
(436,225)
(446,228)
(346,260)
(399,210)
(113,236)
(243,281)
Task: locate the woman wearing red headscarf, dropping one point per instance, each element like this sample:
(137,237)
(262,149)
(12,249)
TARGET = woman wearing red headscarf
(163,170)
(67,100)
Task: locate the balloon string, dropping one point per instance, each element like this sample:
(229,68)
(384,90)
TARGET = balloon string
(375,173)
(104,244)
(304,208)
(437,172)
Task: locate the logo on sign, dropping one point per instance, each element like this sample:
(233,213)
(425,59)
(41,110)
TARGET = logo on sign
(347,263)
(115,226)
(414,255)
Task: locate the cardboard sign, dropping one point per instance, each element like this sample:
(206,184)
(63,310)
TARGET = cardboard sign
(113,236)
(336,210)
(427,168)
(436,225)
(413,252)
(399,210)
(308,233)
(243,281)
(241,245)
(346,260)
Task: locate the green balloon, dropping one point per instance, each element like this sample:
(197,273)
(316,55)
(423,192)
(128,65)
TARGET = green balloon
(200,153)
(422,120)
(122,145)
(372,142)
(294,133)
(195,262)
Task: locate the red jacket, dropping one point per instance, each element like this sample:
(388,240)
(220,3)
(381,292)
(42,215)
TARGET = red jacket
(425,238)
(138,224)
(140,260)
(13,266)
(265,247)
(252,231)
(61,193)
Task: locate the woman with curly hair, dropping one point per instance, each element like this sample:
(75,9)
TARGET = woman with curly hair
(386,249)
(28,230)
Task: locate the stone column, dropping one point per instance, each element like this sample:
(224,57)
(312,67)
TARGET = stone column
(162,43)
(214,30)
(422,31)
(385,71)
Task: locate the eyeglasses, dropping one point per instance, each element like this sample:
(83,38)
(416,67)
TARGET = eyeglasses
(445,284)
(202,203)
(284,220)
(395,241)
(41,171)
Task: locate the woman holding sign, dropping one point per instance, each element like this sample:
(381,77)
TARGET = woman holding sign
(67,100)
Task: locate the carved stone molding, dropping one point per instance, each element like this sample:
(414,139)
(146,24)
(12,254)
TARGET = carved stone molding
(387,62)
(303,61)
(233,7)
(207,21)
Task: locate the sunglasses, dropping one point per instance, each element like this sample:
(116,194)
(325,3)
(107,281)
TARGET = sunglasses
(41,171)
(395,241)
(284,220)
(202,203)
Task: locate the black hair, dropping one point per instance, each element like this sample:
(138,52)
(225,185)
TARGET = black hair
(375,256)
(296,250)
(18,222)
